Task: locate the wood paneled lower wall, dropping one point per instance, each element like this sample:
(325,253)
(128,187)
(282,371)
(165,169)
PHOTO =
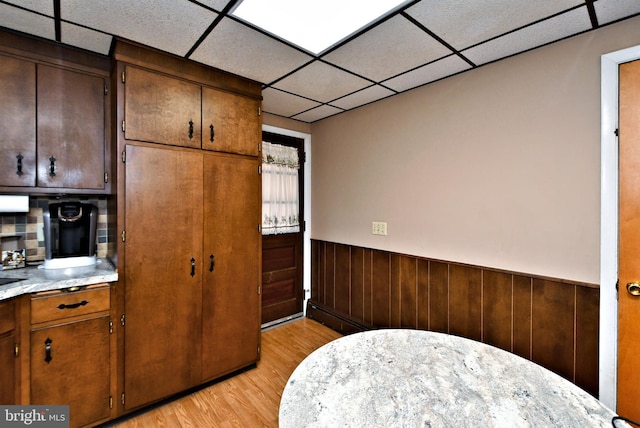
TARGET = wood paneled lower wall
(552,322)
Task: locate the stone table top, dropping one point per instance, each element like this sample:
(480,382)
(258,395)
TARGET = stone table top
(414,378)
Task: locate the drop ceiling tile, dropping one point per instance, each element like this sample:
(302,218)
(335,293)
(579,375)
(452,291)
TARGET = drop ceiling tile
(236,48)
(170,25)
(436,70)
(85,39)
(481,19)
(321,82)
(27,22)
(387,50)
(365,96)
(318,113)
(45,7)
(215,4)
(547,31)
(611,10)
(284,104)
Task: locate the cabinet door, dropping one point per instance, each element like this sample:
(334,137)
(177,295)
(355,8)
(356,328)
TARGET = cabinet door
(161,109)
(231,304)
(17,122)
(230,122)
(71,126)
(7,362)
(163,290)
(70,365)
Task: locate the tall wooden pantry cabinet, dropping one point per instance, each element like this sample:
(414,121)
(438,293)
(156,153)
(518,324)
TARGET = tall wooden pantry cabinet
(189,208)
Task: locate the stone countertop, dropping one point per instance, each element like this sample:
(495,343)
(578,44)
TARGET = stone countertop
(34,279)
(413,378)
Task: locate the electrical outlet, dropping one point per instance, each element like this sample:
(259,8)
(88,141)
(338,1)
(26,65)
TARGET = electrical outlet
(379,228)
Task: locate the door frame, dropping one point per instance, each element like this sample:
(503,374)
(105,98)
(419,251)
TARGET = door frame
(608,343)
(306,235)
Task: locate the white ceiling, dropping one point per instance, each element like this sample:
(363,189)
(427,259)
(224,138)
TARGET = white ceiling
(424,41)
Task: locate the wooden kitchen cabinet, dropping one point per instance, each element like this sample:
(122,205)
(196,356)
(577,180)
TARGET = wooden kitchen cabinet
(167,110)
(70,352)
(54,118)
(17,122)
(8,353)
(162,298)
(232,245)
(161,109)
(197,225)
(229,122)
(71,129)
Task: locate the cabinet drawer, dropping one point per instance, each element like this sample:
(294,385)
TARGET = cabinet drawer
(7,322)
(62,305)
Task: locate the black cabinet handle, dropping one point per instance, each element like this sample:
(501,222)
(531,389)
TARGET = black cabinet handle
(19,157)
(212,132)
(47,350)
(193,266)
(190,129)
(213,263)
(52,166)
(73,305)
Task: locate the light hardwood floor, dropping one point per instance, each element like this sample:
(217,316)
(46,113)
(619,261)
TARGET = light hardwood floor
(250,399)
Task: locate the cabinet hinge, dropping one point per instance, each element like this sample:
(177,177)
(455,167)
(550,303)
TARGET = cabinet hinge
(111,402)
(122,398)
(106,90)
(110,327)
(617,132)
(122,320)
(258,350)
(259,147)
(122,77)
(259,228)
(259,111)
(106,177)
(16,350)
(259,290)
(260,170)
(123,126)
(124,156)
(123,236)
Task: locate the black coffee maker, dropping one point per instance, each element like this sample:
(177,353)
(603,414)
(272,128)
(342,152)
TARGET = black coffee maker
(70,235)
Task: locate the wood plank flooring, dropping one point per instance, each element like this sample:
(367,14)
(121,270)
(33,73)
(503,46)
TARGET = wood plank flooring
(250,399)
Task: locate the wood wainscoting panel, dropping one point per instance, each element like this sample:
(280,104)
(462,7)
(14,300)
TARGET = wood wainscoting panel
(553,322)
(497,309)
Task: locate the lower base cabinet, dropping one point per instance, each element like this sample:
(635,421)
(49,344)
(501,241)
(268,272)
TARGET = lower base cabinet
(69,353)
(8,379)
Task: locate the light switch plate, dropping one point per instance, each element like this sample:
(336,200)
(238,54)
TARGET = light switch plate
(379,228)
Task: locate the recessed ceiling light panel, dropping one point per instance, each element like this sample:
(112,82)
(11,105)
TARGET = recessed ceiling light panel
(314,25)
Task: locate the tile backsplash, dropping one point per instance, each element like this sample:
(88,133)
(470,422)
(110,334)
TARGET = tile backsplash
(31,225)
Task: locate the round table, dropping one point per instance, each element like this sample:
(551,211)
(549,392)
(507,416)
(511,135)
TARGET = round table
(414,378)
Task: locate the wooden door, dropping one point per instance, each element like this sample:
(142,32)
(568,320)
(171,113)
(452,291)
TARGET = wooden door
(282,255)
(629,242)
(163,286)
(71,129)
(230,122)
(161,109)
(17,122)
(231,304)
(70,365)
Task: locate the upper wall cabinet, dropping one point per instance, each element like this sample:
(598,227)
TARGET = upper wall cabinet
(161,109)
(54,118)
(71,129)
(229,122)
(169,110)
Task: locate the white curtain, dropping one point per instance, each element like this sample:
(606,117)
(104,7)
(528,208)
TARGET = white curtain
(280,205)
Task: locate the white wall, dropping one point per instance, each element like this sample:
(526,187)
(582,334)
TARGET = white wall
(497,167)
